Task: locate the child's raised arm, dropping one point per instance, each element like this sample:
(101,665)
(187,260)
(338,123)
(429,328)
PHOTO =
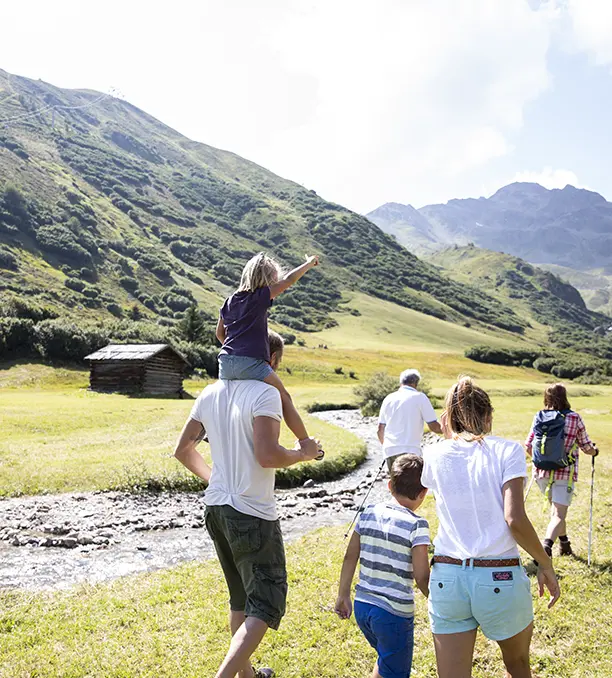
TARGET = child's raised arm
(293,276)
(344,606)
(420,568)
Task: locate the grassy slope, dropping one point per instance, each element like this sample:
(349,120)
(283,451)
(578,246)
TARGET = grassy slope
(139,190)
(535,294)
(168,624)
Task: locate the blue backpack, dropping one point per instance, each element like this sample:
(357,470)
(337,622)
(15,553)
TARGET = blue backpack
(549,442)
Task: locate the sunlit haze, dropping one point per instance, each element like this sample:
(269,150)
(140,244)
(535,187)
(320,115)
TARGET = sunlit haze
(400,100)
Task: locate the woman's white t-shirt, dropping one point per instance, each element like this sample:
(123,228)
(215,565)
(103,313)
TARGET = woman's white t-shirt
(467,479)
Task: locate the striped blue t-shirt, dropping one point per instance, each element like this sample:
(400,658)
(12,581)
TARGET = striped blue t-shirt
(387,533)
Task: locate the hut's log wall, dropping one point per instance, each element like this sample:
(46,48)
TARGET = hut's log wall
(164,373)
(161,374)
(117,375)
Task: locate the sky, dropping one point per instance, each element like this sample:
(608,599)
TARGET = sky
(411,101)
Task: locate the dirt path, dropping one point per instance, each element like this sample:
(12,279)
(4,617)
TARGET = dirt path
(56,541)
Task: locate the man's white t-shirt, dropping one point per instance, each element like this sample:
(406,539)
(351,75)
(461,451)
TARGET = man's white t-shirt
(227,409)
(404,412)
(467,479)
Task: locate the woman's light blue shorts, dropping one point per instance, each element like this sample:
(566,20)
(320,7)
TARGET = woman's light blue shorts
(463,597)
(241,367)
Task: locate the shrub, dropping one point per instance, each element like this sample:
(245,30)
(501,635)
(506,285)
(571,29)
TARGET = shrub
(338,370)
(59,240)
(501,356)
(128,283)
(16,336)
(19,308)
(329,407)
(352,375)
(63,340)
(371,394)
(8,261)
(115,309)
(74,284)
(545,364)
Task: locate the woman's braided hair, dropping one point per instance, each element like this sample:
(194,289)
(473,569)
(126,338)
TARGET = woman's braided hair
(469,410)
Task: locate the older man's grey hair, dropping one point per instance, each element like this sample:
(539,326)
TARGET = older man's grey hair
(410,377)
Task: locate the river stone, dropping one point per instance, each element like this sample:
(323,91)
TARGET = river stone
(67,543)
(309,483)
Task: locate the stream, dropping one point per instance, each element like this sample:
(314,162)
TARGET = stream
(56,541)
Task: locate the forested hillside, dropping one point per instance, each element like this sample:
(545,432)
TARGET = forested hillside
(537,295)
(107,214)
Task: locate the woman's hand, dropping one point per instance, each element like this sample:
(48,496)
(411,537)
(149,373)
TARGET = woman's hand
(547,579)
(312,260)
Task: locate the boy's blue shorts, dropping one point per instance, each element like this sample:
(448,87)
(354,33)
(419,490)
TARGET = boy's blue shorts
(390,635)
(241,367)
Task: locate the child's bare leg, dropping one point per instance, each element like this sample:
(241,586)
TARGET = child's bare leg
(290,414)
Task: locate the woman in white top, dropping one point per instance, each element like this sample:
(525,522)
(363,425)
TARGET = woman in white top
(477,580)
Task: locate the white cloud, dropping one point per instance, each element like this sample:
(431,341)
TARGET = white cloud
(364,102)
(550,178)
(591,27)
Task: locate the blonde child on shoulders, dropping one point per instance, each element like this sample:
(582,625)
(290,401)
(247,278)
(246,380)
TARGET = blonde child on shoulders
(242,329)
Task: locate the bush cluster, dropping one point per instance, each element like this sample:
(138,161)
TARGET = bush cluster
(561,364)
(370,394)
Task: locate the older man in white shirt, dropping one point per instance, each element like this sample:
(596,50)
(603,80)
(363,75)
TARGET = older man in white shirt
(402,416)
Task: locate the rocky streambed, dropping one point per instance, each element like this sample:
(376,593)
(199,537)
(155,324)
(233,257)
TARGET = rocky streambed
(56,541)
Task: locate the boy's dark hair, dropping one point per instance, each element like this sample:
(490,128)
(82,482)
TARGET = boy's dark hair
(406,476)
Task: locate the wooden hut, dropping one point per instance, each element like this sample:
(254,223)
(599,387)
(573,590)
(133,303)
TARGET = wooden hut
(152,369)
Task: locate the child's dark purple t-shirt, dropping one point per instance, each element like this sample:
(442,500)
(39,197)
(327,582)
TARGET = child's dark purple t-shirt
(245,317)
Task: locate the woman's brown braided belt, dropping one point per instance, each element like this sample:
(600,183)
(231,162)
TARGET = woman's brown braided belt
(477,562)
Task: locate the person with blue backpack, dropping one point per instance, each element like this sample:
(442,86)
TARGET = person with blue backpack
(557,435)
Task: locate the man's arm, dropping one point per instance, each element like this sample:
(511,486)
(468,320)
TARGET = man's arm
(292,277)
(186,452)
(344,606)
(381,433)
(420,568)
(434,427)
(271,454)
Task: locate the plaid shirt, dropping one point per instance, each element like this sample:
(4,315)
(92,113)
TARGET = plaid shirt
(575,432)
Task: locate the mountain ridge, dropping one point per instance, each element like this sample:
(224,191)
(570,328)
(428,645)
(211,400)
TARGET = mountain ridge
(540,216)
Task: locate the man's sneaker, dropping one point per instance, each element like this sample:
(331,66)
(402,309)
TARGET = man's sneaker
(565,548)
(264,673)
(548,549)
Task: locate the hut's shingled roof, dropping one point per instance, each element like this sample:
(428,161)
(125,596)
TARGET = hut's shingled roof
(129,352)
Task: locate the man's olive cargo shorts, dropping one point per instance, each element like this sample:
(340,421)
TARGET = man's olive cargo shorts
(252,557)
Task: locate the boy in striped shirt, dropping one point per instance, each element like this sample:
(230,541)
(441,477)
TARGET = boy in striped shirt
(391,543)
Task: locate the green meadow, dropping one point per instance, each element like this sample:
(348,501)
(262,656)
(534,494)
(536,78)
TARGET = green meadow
(56,436)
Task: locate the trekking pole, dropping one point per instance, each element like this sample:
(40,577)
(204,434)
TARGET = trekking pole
(591,511)
(367,494)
